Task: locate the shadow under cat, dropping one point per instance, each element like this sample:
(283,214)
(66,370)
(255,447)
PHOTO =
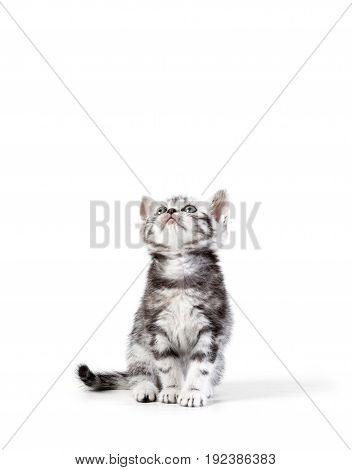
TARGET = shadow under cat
(267,388)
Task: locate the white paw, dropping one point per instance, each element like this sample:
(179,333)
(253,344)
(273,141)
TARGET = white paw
(168,395)
(192,397)
(145,392)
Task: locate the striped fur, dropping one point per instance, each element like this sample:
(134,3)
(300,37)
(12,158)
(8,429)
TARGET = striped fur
(176,347)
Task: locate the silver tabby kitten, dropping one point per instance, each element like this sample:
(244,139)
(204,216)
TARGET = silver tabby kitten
(176,347)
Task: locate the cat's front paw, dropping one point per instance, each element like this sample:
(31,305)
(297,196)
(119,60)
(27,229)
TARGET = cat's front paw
(145,392)
(192,397)
(168,395)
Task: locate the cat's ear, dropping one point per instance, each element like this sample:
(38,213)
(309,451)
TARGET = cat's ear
(219,205)
(145,207)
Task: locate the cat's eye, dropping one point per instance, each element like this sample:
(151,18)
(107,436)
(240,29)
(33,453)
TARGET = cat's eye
(189,209)
(161,210)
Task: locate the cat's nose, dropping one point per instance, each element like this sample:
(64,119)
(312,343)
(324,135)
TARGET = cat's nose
(171,210)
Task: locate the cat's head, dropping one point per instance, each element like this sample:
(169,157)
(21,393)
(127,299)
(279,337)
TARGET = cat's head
(183,223)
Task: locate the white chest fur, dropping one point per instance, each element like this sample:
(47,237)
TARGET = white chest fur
(181,320)
(179,268)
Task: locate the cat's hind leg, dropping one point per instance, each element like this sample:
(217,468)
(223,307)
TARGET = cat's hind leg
(218,369)
(143,380)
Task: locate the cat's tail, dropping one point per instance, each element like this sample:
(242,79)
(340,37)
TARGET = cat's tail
(103,380)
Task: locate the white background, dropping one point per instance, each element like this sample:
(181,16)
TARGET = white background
(176,86)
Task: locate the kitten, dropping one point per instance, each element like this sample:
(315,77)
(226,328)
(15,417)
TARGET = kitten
(176,347)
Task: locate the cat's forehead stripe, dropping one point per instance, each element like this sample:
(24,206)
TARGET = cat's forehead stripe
(178,201)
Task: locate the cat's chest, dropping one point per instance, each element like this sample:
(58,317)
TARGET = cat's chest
(182,321)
